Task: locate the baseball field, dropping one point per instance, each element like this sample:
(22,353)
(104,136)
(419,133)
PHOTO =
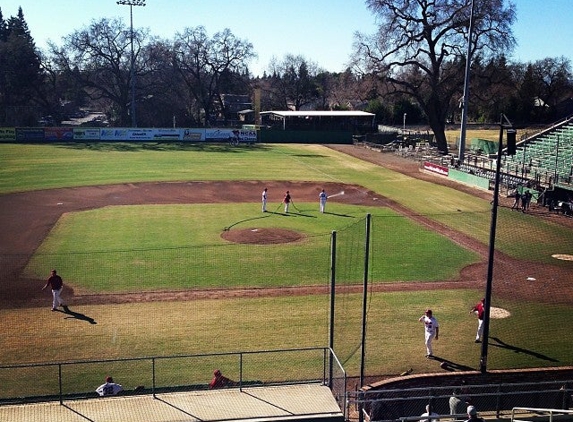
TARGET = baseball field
(164,250)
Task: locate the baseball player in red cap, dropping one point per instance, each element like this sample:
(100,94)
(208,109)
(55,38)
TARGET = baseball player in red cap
(432,330)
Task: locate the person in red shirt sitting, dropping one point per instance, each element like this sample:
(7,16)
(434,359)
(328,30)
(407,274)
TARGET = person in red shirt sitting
(220,381)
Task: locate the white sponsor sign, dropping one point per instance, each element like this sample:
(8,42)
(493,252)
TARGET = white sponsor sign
(167,134)
(89,134)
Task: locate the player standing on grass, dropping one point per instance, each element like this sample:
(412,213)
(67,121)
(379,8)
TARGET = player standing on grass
(431,330)
(264,200)
(286,201)
(57,284)
(479,310)
(322,197)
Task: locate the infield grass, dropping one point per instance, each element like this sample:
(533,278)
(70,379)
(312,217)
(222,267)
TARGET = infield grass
(165,247)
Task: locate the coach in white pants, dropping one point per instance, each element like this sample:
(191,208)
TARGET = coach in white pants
(264,200)
(57,284)
(322,197)
(431,330)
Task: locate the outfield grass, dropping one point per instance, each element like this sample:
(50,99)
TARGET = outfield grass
(394,340)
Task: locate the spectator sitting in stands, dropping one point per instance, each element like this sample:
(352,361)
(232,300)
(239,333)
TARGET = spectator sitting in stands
(473,415)
(429,413)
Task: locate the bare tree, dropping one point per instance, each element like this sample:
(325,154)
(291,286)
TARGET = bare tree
(420,48)
(202,62)
(99,57)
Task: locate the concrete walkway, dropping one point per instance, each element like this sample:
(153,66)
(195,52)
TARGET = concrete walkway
(305,402)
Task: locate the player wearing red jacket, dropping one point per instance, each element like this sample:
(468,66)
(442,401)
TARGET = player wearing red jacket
(479,310)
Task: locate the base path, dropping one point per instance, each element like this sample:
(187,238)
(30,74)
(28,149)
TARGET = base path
(27,218)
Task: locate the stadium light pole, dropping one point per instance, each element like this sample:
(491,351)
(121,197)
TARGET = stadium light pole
(132,3)
(462,146)
(504,123)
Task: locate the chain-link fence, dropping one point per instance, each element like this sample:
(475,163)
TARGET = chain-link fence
(79,379)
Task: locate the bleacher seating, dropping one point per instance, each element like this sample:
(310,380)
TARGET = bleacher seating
(547,156)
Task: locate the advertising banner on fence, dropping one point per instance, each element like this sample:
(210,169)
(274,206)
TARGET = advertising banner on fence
(219,134)
(246,135)
(113,134)
(7,134)
(193,134)
(237,135)
(140,134)
(167,134)
(435,168)
(58,133)
(86,134)
(30,134)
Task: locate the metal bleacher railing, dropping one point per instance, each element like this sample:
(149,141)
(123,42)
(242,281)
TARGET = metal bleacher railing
(546,157)
(492,401)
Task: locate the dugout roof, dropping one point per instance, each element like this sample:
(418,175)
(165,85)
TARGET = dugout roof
(318,119)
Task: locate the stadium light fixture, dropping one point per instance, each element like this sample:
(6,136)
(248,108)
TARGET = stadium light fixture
(132,3)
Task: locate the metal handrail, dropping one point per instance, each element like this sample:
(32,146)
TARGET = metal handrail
(551,412)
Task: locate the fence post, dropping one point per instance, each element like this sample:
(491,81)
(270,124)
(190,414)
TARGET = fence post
(60,383)
(241,372)
(153,377)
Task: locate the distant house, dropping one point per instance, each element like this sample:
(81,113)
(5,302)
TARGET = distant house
(228,110)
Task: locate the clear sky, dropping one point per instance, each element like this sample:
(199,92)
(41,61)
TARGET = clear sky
(320,30)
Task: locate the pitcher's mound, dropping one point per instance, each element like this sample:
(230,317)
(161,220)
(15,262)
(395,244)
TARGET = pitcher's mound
(259,236)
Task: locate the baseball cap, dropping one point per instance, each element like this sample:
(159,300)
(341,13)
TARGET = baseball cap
(472,411)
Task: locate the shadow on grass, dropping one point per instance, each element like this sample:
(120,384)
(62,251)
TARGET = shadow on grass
(77,315)
(159,146)
(516,349)
(451,366)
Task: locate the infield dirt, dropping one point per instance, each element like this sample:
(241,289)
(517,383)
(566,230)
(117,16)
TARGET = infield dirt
(27,218)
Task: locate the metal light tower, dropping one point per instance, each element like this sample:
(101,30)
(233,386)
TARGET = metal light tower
(465,99)
(132,3)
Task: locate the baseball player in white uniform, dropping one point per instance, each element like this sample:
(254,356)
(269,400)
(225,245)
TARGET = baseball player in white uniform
(431,330)
(264,200)
(322,197)
(110,388)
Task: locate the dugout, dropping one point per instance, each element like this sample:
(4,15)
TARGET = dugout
(315,126)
